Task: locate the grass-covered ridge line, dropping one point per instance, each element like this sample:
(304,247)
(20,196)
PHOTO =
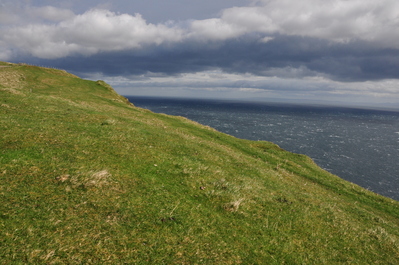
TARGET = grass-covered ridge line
(87,178)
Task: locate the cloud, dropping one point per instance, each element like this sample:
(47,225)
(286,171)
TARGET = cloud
(89,33)
(213,29)
(339,20)
(302,45)
(281,56)
(100,30)
(51,13)
(16,13)
(219,84)
(5,54)
(8,13)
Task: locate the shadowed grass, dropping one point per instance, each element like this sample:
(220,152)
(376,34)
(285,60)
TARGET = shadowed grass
(86,177)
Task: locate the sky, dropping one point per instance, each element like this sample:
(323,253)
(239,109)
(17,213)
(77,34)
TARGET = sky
(340,52)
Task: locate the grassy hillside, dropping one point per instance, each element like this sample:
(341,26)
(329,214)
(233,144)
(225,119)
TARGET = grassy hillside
(87,178)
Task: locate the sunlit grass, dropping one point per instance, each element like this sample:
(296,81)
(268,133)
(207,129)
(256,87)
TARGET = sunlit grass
(87,178)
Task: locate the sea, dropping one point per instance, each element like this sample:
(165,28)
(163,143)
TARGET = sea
(358,145)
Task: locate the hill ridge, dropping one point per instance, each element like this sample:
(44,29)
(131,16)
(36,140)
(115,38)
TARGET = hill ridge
(87,177)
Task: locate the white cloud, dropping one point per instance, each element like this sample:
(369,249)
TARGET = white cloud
(250,86)
(89,33)
(266,39)
(108,31)
(101,30)
(214,29)
(339,20)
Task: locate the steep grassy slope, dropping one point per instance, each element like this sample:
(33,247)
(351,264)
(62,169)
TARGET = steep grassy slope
(87,178)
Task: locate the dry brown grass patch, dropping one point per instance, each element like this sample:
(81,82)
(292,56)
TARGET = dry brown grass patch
(234,205)
(11,79)
(98,179)
(90,180)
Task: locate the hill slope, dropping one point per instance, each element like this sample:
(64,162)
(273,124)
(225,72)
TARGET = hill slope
(86,177)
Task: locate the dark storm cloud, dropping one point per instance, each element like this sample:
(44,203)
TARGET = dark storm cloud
(283,56)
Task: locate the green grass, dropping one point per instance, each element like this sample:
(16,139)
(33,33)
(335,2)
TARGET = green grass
(87,178)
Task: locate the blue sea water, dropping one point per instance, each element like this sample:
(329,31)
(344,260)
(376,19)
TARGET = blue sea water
(358,145)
